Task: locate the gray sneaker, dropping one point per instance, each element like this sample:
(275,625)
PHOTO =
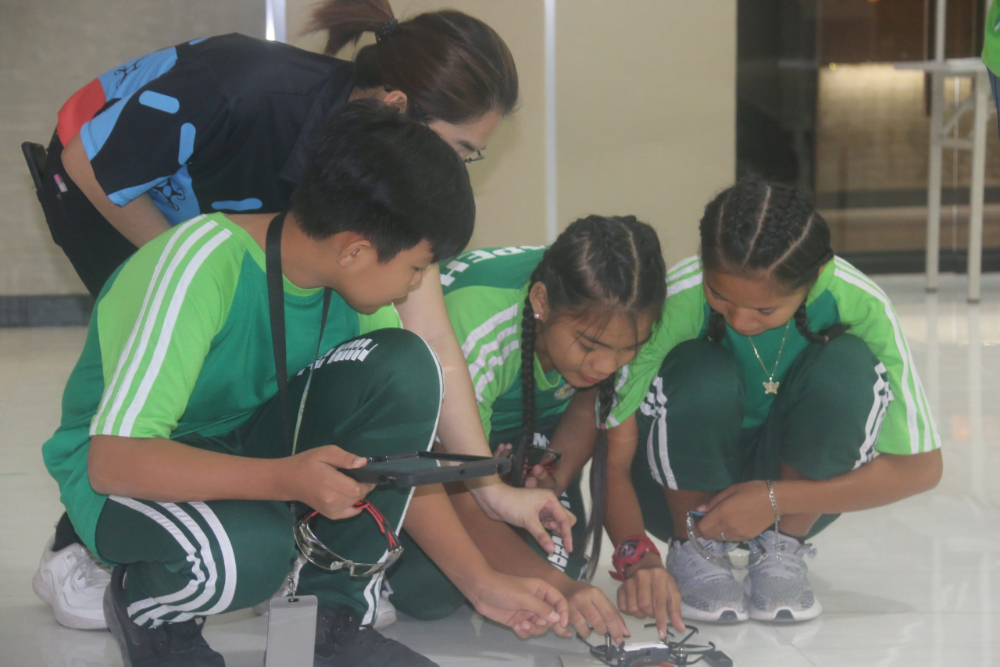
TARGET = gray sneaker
(709,592)
(776,586)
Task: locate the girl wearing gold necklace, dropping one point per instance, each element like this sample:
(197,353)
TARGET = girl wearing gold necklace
(776,393)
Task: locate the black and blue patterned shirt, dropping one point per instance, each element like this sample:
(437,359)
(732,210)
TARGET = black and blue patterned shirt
(216,124)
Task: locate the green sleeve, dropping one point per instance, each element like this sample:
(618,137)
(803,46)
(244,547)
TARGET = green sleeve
(487,321)
(683,319)
(156,325)
(383,318)
(908,427)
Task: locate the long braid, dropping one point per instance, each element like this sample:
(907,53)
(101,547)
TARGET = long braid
(528,333)
(825,336)
(716,326)
(599,476)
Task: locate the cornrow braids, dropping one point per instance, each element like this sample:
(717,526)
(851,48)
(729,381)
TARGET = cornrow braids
(609,265)
(756,228)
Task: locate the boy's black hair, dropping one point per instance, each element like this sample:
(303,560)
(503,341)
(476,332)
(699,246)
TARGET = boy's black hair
(758,228)
(610,265)
(380,174)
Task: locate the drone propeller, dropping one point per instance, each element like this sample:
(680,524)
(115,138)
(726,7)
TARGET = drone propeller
(664,654)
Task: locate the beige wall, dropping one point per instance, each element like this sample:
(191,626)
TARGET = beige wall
(646,111)
(510,184)
(48,50)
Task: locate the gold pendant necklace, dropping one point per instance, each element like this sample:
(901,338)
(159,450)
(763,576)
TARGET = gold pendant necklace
(770,386)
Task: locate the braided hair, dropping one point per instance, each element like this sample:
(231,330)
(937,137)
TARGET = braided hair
(609,264)
(759,228)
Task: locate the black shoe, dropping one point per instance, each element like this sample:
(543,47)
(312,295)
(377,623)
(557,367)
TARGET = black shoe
(341,641)
(169,645)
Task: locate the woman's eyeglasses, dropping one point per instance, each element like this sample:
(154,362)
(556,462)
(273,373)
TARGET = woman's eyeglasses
(474,157)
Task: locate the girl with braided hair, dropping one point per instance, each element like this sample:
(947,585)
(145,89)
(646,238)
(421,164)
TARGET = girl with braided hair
(781,394)
(544,332)
(224,124)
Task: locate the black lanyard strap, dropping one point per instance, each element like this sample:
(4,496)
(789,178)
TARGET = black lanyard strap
(276,305)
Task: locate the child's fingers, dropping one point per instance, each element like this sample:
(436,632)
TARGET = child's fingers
(546,603)
(631,603)
(561,631)
(556,518)
(594,617)
(718,498)
(660,610)
(559,603)
(708,527)
(541,478)
(608,619)
(541,535)
(674,606)
(339,458)
(580,621)
(644,597)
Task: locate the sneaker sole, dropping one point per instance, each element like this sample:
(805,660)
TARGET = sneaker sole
(722,617)
(785,615)
(66,619)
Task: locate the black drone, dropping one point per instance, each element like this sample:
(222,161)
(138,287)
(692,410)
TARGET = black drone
(660,653)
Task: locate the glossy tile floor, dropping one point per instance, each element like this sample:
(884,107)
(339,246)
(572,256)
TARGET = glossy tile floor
(912,584)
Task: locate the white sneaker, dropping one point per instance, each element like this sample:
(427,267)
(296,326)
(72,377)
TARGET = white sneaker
(72,582)
(776,587)
(709,592)
(386,614)
(384,617)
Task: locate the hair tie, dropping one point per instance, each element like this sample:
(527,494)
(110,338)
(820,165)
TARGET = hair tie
(386,29)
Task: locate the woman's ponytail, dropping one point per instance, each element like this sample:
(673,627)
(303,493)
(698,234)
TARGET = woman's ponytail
(345,21)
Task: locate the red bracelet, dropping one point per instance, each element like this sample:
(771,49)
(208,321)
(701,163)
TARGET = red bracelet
(629,552)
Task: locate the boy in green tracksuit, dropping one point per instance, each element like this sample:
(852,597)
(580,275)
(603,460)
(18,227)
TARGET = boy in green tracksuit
(546,324)
(774,360)
(172,458)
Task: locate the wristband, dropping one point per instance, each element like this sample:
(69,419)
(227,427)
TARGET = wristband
(629,552)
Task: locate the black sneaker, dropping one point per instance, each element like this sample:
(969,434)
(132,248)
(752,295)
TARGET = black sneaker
(341,641)
(169,645)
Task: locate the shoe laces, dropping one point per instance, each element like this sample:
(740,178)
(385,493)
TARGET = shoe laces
(88,572)
(704,567)
(789,554)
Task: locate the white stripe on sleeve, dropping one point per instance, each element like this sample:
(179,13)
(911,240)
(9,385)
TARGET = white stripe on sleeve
(160,351)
